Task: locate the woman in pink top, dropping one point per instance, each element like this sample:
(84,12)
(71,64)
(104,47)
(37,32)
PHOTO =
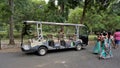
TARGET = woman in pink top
(117,38)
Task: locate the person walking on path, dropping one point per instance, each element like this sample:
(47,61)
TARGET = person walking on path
(117,38)
(106,51)
(103,54)
(109,45)
(97,47)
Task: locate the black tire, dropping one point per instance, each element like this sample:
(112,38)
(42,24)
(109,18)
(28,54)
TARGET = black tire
(42,51)
(78,47)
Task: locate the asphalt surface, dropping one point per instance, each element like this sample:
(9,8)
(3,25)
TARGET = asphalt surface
(59,59)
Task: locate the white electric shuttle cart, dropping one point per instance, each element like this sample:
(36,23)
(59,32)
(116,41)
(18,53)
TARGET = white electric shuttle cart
(36,36)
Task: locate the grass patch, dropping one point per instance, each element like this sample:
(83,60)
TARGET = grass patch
(92,37)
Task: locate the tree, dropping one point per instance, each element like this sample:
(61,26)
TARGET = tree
(11,22)
(116,8)
(84,10)
(97,14)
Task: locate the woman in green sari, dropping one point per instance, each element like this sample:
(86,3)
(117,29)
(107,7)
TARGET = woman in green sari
(97,47)
(106,46)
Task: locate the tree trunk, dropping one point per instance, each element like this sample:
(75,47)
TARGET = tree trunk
(84,11)
(11,23)
(62,12)
(62,8)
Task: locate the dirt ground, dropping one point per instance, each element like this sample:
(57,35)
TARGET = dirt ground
(16,48)
(10,48)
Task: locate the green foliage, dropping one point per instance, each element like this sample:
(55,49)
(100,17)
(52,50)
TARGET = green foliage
(4,34)
(100,15)
(105,21)
(116,8)
(75,15)
(4,11)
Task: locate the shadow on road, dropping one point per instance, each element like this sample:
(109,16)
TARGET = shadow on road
(50,52)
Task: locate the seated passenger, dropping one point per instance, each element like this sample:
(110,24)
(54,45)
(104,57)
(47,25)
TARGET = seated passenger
(50,40)
(61,35)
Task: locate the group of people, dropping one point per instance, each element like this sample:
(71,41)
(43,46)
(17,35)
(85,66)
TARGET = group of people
(104,43)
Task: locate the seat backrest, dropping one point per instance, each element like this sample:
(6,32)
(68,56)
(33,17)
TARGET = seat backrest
(50,37)
(60,36)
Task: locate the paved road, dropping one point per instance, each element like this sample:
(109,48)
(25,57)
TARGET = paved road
(60,59)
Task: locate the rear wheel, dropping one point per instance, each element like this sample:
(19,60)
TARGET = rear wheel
(78,47)
(42,51)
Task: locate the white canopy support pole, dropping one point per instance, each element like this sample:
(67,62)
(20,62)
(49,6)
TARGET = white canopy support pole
(39,31)
(77,29)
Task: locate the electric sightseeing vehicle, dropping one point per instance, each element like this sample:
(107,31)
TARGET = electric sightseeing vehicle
(43,36)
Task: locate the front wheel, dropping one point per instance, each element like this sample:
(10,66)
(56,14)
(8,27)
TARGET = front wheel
(42,51)
(78,47)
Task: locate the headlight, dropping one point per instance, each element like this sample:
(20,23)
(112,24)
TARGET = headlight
(80,40)
(26,47)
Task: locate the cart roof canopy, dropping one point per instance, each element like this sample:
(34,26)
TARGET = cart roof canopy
(52,23)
